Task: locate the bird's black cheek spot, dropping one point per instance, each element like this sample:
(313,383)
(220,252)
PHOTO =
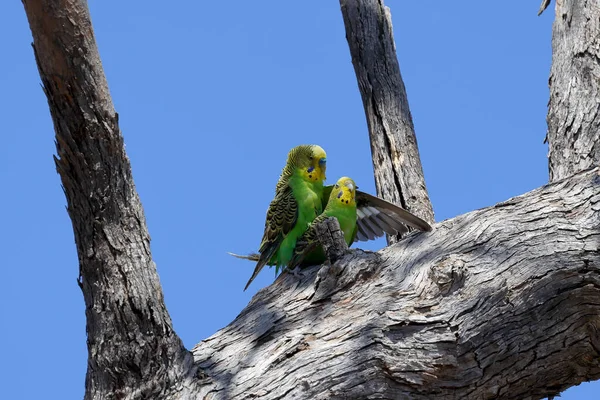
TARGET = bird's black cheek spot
(310,176)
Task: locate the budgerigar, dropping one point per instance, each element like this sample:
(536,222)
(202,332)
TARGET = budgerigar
(373,217)
(376,217)
(361,217)
(297,202)
(341,205)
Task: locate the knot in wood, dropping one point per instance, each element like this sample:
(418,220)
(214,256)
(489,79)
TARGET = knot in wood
(449,273)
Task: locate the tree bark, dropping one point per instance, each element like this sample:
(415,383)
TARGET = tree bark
(332,239)
(502,302)
(574,108)
(396,161)
(132,348)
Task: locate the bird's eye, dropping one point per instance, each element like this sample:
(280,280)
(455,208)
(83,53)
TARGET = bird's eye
(337,186)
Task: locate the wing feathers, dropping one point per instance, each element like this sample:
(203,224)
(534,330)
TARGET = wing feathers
(360,235)
(281,218)
(372,225)
(363,230)
(392,223)
(376,217)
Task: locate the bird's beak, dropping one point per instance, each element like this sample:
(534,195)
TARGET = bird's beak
(350,186)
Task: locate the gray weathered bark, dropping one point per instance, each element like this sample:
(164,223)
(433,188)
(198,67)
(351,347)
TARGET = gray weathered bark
(131,343)
(332,239)
(574,108)
(396,162)
(501,302)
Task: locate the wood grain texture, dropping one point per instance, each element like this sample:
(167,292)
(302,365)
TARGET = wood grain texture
(574,107)
(332,239)
(133,350)
(396,161)
(502,302)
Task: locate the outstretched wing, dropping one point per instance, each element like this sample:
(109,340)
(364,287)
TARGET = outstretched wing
(281,218)
(376,217)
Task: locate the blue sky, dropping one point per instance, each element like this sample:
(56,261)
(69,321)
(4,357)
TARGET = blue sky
(211,96)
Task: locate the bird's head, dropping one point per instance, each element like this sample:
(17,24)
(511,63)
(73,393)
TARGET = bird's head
(344,192)
(310,160)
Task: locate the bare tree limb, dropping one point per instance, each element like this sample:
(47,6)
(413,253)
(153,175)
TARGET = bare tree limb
(133,350)
(396,162)
(502,302)
(334,245)
(574,108)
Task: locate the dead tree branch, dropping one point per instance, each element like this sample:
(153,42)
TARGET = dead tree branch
(502,302)
(574,110)
(396,161)
(332,239)
(133,350)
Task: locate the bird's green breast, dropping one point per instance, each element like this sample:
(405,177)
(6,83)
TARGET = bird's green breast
(308,196)
(346,217)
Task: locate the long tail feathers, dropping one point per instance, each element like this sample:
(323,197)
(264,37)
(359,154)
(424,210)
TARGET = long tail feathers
(259,266)
(262,260)
(250,256)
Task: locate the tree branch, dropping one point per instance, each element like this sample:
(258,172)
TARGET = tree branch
(502,302)
(396,162)
(332,239)
(573,111)
(133,350)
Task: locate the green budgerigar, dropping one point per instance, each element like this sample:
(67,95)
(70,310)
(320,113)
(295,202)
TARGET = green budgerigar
(341,205)
(297,202)
(363,218)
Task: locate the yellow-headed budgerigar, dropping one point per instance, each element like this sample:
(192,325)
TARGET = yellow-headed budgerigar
(361,217)
(297,202)
(341,205)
